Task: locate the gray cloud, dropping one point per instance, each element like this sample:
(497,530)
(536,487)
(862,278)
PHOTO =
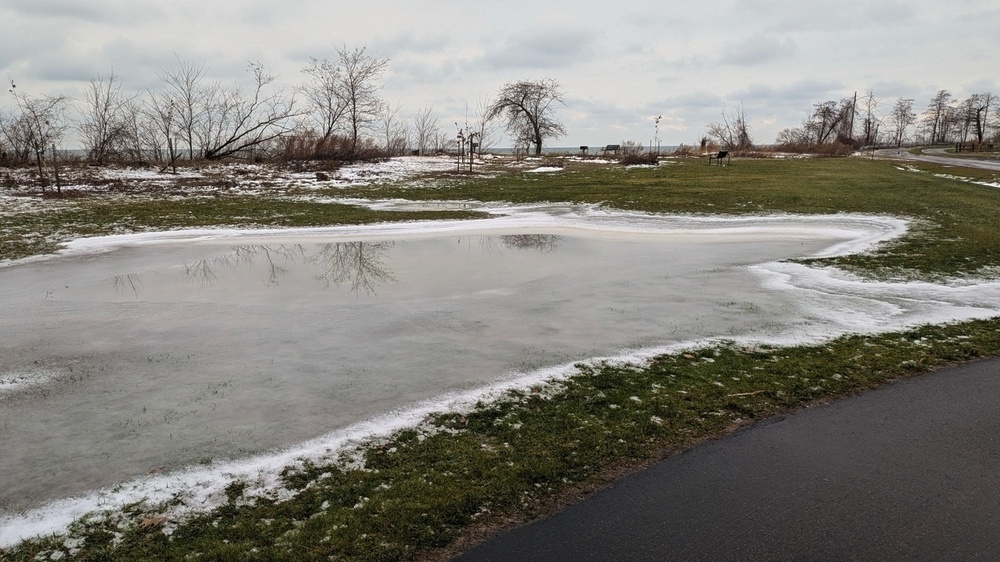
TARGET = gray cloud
(408,42)
(93,11)
(540,49)
(56,9)
(698,99)
(621,65)
(758,49)
(805,91)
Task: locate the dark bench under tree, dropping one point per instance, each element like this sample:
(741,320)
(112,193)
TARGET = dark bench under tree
(721,154)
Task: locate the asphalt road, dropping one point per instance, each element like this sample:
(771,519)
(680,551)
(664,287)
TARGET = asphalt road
(910,471)
(939,156)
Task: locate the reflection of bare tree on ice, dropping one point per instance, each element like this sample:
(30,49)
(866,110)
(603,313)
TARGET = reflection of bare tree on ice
(361,264)
(486,244)
(271,255)
(200,272)
(129,282)
(243,257)
(544,243)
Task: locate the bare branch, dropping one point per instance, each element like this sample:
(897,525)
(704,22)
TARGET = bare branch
(238,122)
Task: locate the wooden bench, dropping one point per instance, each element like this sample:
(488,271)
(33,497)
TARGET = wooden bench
(611,148)
(722,154)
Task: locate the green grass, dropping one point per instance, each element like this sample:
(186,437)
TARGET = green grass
(514,459)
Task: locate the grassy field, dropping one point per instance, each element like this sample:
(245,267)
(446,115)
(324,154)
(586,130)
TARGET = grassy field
(425,492)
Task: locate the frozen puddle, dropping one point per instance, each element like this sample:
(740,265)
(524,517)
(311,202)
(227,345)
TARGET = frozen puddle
(144,354)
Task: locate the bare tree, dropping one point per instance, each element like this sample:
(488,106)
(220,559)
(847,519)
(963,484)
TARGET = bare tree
(965,119)
(822,121)
(444,142)
(391,129)
(43,124)
(484,126)
(426,128)
(324,99)
(103,126)
(832,124)
(979,112)
(996,116)
(359,85)
(137,139)
(186,90)
(870,123)
(236,122)
(17,136)
(832,121)
(844,130)
(951,124)
(528,108)
(734,131)
(162,113)
(901,118)
(936,113)
(789,137)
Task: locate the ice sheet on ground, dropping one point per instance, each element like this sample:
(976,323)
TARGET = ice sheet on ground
(250,349)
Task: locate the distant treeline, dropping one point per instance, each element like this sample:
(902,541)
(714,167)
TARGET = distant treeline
(855,122)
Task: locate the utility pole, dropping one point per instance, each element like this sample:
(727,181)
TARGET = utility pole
(854,112)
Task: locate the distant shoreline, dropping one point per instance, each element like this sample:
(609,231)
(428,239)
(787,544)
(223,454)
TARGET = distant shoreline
(592,150)
(596,150)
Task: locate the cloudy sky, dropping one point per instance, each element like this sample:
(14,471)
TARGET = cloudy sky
(621,63)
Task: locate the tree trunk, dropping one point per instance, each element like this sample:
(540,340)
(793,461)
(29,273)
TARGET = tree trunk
(41,171)
(55,170)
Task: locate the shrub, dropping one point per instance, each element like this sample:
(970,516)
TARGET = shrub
(632,153)
(835,148)
(640,158)
(308,145)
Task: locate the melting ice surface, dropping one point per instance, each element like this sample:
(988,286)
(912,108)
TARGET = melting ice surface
(238,352)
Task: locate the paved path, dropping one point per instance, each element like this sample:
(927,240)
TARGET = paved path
(939,156)
(908,471)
